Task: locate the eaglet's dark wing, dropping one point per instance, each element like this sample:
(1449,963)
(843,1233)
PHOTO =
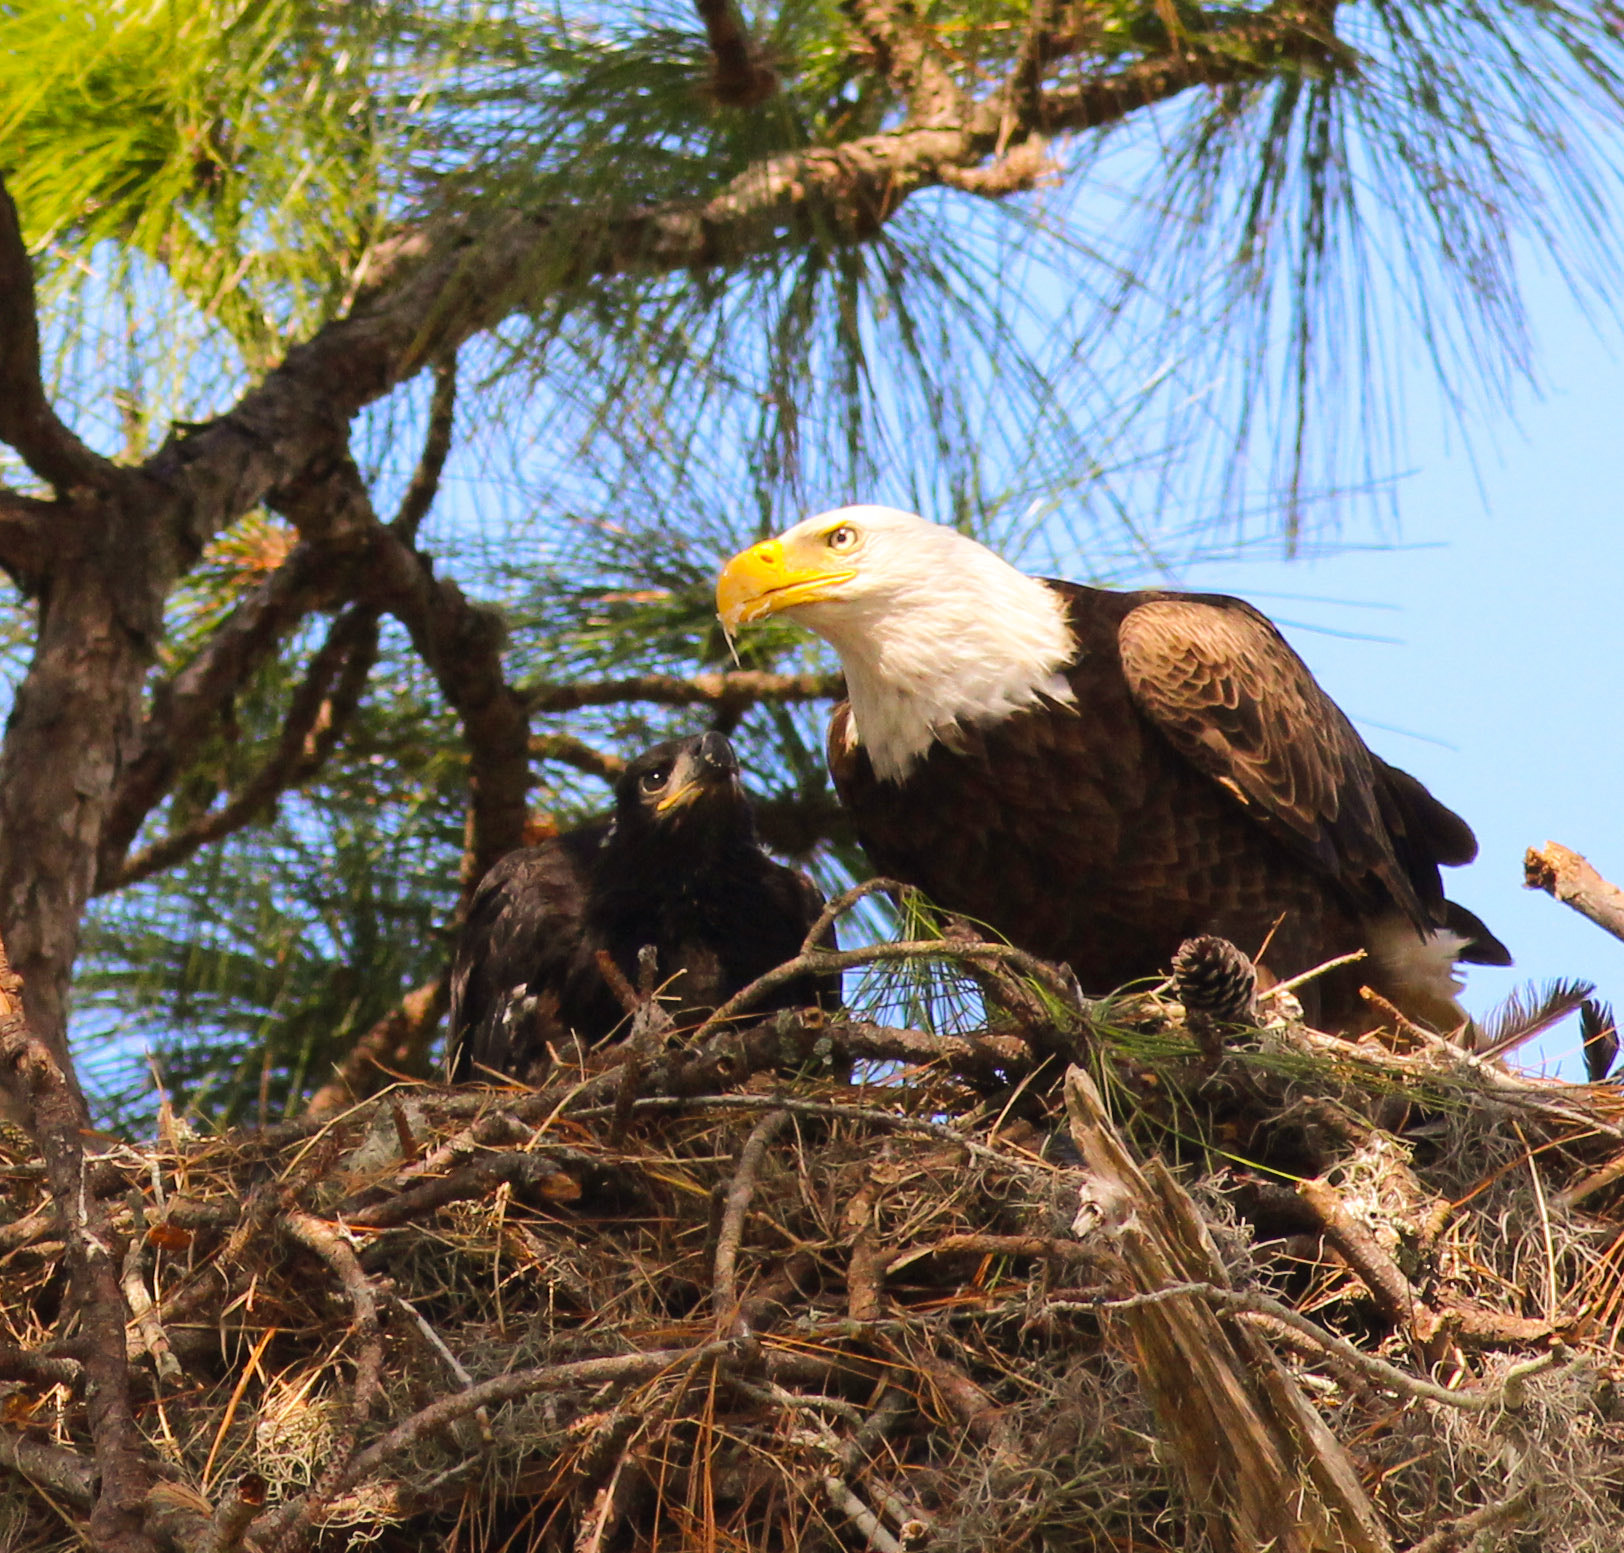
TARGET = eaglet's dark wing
(1222,684)
(523,937)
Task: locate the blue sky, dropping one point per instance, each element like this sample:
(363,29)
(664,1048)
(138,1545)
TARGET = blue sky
(1503,599)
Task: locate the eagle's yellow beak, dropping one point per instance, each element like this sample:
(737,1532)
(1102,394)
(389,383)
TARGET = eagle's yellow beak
(680,798)
(772,576)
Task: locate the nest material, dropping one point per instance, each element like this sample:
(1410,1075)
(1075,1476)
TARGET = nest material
(694,1302)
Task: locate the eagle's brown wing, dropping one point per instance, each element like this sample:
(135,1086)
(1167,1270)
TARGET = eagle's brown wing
(1228,692)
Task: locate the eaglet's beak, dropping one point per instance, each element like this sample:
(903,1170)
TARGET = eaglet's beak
(711,765)
(772,576)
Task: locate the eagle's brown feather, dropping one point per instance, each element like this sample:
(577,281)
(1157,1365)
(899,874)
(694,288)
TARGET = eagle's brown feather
(1200,782)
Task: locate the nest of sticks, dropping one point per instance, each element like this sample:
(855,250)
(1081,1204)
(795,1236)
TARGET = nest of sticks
(1101,1275)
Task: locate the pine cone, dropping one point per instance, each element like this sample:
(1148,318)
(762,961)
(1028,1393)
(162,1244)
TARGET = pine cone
(1216,980)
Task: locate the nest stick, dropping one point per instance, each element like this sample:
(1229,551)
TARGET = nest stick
(724,1285)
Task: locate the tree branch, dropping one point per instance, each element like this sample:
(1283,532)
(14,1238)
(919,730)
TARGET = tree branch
(27,421)
(567,750)
(432,287)
(185,706)
(726,692)
(425,486)
(462,645)
(317,716)
(1562,873)
(740,78)
(901,43)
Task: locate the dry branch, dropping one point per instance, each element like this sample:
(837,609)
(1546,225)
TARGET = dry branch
(1571,879)
(1254,1457)
(724,1286)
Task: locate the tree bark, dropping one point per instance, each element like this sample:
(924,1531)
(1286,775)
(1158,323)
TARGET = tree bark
(72,724)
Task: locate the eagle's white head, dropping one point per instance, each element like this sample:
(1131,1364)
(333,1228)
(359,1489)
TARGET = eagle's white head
(933,630)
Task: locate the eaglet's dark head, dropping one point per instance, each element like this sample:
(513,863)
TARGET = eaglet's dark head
(687,788)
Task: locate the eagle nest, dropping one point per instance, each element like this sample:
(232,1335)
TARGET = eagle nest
(1101,1275)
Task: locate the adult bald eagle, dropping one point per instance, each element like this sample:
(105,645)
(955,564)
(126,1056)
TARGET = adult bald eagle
(678,866)
(1100,775)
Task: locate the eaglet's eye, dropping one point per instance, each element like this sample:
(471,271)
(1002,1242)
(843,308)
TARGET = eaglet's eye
(655,778)
(842,538)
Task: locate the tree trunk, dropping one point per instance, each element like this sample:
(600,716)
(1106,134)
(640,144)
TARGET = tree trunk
(69,732)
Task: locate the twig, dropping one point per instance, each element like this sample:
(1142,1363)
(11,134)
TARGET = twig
(864,1519)
(481,1415)
(864,1115)
(839,905)
(1562,873)
(531,1171)
(994,1245)
(724,1287)
(1455,1532)
(241,1502)
(329,1244)
(817,962)
(1478,1400)
(1303,977)
(614,1371)
(865,1272)
(50,1467)
(1379,1273)
(38,1369)
(147,1325)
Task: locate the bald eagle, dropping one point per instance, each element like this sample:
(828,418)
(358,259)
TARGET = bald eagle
(1100,775)
(678,867)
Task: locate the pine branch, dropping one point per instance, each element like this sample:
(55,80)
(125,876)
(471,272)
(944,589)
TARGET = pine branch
(432,287)
(726,692)
(317,716)
(27,420)
(425,486)
(567,750)
(186,706)
(740,77)
(901,44)
(462,642)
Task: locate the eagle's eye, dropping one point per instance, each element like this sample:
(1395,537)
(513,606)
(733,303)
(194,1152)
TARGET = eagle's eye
(842,538)
(655,778)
